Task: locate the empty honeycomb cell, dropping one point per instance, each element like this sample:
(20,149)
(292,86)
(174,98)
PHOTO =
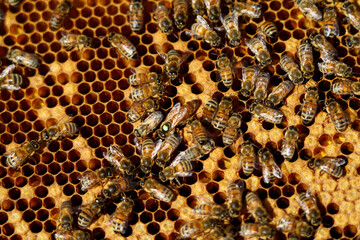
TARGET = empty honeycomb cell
(153,228)
(332,208)
(3,218)
(42,215)
(8,182)
(34,180)
(282,203)
(288,190)
(67,167)
(350,231)
(336,232)
(21,181)
(220,198)
(14,193)
(27,170)
(159,216)
(7,205)
(47,180)
(305,154)
(274,192)
(61,179)
(8,229)
(356,125)
(145,217)
(35,226)
(301,188)
(347,148)
(13,127)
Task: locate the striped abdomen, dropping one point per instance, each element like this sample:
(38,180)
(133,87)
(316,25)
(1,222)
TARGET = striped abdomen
(226,76)
(308,111)
(198,29)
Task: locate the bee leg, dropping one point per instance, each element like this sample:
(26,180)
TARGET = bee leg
(176,181)
(68,48)
(321,173)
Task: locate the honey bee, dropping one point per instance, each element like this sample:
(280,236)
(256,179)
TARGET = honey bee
(146,91)
(249,76)
(147,155)
(279,93)
(59,14)
(176,169)
(262,231)
(157,190)
(310,105)
(59,131)
(269,29)
(123,45)
(215,234)
(309,9)
(71,235)
(353,41)
(330,27)
(136,15)
(143,77)
(71,40)
(116,186)
(225,72)
(89,212)
(197,227)
(180,13)
(119,219)
(173,62)
(91,179)
(149,124)
(256,208)
(298,227)
(270,169)
(345,87)
(305,55)
(247,9)
(231,25)
(222,115)
(330,67)
(271,115)
(209,111)
(117,158)
(202,30)
(247,158)
(211,210)
(289,144)
(337,115)
(261,86)
(167,147)
(330,165)
(200,135)
(234,202)
(178,115)
(213,10)
(308,204)
(232,130)
(65,215)
(18,157)
(161,16)
(320,43)
(288,64)
(258,46)
(140,108)
(352,14)
(10,81)
(29,60)
(191,154)
(198,7)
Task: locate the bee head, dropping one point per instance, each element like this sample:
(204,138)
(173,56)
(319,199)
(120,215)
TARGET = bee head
(296,76)
(145,168)
(180,20)
(350,41)
(111,35)
(293,128)
(214,14)
(264,58)
(160,161)
(267,231)
(328,9)
(100,201)
(167,26)
(164,175)
(245,92)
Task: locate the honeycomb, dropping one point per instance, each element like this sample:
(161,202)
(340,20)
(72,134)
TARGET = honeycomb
(90,87)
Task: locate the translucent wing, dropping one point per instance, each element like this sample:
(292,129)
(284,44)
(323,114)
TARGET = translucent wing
(10,86)
(7,70)
(88,180)
(157,147)
(226,26)
(176,114)
(266,174)
(184,56)
(311,196)
(65,34)
(236,20)
(138,146)
(176,161)
(183,174)
(256,163)
(180,157)
(207,3)
(276,170)
(337,161)
(123,225)
(63,234)
(203,22)
(116,150)
(261,37)
(203,199)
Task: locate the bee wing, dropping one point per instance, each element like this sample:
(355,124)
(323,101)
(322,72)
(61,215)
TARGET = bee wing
(266,173)
(175,113)
(207,3)
(236,20)
(261,37)
(10,86)
(10,154)
(203,22)
(7,70)
(138,145)
(283,223)
(180,157)
(338,161)
(157,147)
(203,199)
(256,163)
(276,170)
(116,150)
(311,196)
(184,56)
(64,34)
(183,174)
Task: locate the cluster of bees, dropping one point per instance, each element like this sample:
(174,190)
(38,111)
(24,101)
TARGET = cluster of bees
(157,137)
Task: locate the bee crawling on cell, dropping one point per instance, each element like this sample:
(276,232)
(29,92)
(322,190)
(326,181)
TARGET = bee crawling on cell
(10,81)
(202,30)
(71,40)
